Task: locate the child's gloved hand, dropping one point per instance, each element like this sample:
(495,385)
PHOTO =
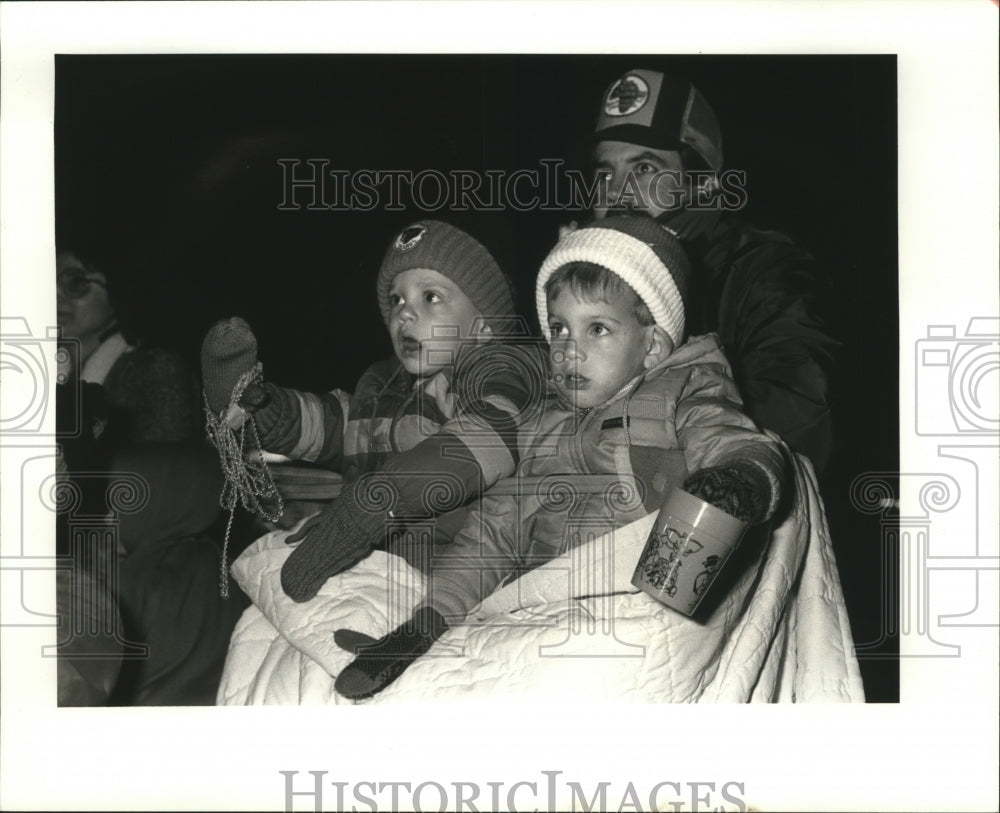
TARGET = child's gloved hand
(740,489)
(228,351)
(381,660)
(337,538)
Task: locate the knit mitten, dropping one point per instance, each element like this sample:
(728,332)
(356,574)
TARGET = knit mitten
(337,538)
(741,490)
(228,351)
(380,661)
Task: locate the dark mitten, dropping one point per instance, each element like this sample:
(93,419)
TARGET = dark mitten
(353,641)
(228,351)
(381,661)
(337,538)
(740,489)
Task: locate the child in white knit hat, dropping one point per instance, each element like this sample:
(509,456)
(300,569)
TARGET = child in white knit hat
(629,398)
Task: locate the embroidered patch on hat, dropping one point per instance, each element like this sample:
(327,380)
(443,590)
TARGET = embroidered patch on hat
(626,96)
(409,237)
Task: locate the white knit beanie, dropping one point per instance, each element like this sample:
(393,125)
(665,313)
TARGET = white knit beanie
(639,250)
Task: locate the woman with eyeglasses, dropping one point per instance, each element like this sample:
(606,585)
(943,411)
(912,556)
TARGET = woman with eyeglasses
(151,394)
(84,312)
(139,407)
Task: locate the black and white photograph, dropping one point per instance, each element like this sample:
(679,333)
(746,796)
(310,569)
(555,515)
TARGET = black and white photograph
(591,409)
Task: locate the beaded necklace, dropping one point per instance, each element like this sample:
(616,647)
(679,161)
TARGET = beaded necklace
(247,477)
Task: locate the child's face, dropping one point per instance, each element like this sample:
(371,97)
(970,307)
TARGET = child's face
(428,316)
(596,347)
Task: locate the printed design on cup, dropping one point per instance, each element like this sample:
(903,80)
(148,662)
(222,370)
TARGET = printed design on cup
(663,559)
(627,96)
(704,579)
(687,547)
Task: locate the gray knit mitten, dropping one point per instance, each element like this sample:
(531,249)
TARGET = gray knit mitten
(228,351)
(740,489)
(381,660)
(337,538)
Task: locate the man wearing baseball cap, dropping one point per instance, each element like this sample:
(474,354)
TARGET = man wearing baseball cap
(658,145)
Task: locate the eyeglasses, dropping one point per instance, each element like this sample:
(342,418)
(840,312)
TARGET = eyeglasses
(74,283)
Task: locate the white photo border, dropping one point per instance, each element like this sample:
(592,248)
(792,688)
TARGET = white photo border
(936,749)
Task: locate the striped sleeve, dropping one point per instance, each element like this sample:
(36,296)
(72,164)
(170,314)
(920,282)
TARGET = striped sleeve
(498,389)
(304,426)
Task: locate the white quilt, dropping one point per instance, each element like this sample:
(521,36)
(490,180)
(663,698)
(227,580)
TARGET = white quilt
(574,629)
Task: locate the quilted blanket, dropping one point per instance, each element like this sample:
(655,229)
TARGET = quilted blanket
(574,629)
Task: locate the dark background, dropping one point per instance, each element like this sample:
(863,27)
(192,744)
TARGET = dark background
(166,174)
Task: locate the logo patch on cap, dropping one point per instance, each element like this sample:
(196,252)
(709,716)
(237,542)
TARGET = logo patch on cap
(626,96)
(409,237)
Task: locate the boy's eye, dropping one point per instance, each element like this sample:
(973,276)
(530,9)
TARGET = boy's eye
(644,167)
(430,297)
(394,300)
(556,329)
(598,329)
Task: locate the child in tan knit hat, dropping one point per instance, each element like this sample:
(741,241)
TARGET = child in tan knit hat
(445,408)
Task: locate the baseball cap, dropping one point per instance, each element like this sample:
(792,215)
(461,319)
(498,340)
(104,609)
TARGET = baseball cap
(653,109)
